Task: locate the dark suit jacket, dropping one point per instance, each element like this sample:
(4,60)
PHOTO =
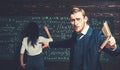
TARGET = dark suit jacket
(85,55)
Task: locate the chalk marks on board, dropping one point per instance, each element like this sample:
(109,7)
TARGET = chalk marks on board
(11,29)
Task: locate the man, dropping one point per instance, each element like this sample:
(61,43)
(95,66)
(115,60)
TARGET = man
(85,43)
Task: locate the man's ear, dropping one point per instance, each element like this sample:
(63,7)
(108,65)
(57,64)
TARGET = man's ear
(86,18)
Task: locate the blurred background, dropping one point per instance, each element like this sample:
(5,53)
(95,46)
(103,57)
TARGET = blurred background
(16,14)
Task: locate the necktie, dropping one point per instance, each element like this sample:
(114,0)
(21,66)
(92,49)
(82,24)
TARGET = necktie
(79,36)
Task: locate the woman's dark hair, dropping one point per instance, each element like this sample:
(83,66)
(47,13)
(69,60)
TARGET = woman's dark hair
(32,32)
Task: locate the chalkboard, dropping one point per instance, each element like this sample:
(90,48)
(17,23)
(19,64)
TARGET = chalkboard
(11,28)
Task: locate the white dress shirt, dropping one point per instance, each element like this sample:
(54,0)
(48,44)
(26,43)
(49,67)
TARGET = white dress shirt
(84,31)
(37,49)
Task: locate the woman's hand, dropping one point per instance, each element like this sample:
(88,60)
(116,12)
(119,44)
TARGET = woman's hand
(45,44)
(23,66)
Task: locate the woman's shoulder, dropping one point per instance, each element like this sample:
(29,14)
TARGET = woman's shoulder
(25,38)
(41,37)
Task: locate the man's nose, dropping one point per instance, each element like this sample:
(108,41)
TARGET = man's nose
(75,22)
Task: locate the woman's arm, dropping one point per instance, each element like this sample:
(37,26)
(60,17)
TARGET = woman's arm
(22,61)
(47,32)
(22,51)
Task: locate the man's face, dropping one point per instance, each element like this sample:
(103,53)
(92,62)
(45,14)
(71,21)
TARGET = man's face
(78,21)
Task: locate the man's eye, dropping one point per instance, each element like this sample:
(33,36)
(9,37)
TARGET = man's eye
(72,20)
(78,19)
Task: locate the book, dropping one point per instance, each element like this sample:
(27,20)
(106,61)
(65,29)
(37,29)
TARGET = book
(106,31)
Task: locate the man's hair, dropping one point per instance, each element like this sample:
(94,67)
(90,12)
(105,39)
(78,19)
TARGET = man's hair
(75,9)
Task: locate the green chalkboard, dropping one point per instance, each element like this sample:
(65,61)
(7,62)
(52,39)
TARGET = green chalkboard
(11,28)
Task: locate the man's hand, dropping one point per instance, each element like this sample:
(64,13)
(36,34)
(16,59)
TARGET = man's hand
(111,43)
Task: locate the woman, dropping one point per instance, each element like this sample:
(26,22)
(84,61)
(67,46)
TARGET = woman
(32,45)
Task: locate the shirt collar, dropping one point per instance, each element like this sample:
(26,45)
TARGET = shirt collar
(84,31)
